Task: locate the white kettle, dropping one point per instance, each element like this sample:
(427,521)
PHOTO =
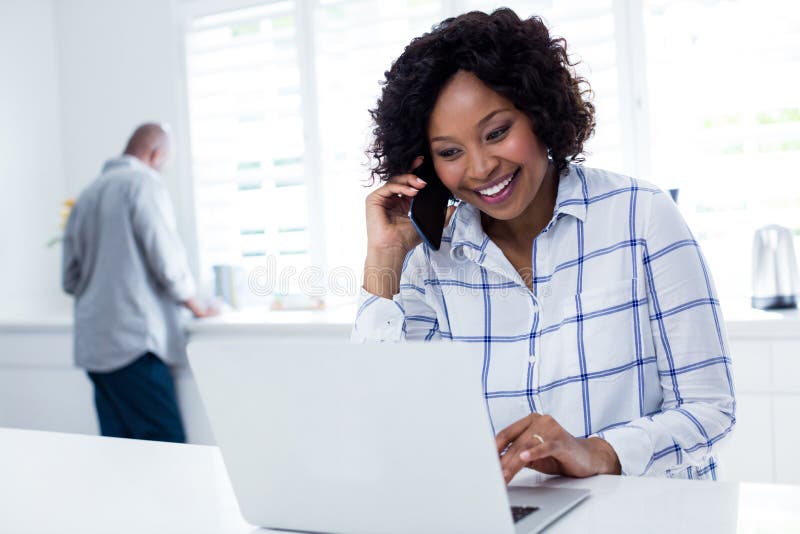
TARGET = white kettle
(775,278)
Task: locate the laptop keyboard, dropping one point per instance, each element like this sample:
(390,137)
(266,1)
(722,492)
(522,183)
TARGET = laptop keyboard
(521,512)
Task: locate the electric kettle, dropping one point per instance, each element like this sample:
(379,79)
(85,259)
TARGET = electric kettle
(775,278)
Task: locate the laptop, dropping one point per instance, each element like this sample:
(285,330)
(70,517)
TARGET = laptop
(363,438)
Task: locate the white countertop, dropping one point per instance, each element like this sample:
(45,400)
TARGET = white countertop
(246,321)
(67,483)
(336,321)
(742,322)
(745,322)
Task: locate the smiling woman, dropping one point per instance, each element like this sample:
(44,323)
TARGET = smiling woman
(583,291)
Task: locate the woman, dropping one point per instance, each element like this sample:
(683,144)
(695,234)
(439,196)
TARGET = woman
(584,291)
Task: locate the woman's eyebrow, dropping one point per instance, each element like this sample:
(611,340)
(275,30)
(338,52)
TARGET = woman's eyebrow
(480,124)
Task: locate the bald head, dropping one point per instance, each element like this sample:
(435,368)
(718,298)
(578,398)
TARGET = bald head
(150,143)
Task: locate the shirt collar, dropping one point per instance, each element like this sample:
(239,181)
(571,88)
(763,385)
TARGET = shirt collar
(124,161)
(573,194)
(465,232)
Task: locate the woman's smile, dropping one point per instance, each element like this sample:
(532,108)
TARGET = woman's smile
(499,190)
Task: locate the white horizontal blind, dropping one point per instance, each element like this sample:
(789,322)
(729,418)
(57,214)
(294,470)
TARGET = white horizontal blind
(247,133)
(355,43)
(723,81)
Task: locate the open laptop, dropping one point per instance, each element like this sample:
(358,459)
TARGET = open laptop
(374,438)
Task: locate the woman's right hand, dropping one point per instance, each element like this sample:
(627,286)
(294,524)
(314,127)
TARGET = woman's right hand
(388,225)
(390,234)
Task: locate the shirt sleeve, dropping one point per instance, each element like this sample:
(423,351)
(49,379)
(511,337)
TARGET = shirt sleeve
(70,262)
(407,316)
(156,232)
(692,355)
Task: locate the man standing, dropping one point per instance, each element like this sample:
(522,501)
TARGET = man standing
(124,263)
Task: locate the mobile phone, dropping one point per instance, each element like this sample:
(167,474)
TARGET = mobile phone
(428,209)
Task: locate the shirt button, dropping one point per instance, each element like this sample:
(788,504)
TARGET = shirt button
(532,358)
(546,291)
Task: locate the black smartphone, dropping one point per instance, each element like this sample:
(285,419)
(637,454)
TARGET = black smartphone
(429,206)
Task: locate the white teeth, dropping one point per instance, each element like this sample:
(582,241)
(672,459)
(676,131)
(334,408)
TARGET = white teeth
(496,188)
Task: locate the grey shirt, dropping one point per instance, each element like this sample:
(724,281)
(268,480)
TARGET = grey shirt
(124,263)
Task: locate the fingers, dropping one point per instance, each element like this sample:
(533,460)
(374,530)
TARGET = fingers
(548,465)
(535,439)
(525,450)
(393,189)
(407,184)
(512,432)
(536,452)
(411,180)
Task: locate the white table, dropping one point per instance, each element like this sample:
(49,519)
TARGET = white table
(65,483)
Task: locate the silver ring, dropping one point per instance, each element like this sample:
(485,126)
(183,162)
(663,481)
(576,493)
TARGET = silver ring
(540,438)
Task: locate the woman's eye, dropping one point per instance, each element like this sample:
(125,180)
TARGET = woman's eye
(448,152)
(496,134)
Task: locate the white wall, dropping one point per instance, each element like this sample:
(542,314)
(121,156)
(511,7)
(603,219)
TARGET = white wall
(31,178)
(121,64)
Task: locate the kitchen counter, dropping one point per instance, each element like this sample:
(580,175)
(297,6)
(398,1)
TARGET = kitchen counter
(742,321)
(335,322)
(40,388)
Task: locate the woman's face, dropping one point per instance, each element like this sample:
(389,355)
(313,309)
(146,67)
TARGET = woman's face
(484,149)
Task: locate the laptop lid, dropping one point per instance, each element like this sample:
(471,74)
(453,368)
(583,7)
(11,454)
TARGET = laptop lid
(335,437)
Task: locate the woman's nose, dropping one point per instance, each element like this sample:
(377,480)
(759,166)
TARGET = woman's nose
(481,165)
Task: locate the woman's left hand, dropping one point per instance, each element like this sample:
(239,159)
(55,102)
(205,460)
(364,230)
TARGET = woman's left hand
(557,453)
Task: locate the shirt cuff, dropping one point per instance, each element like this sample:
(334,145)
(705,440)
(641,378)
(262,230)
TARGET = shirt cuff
(183,289)
(633,447)
(378,319)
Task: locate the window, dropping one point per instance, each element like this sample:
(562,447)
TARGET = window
(725,122)
(249,148)
(279,95)
(354,44)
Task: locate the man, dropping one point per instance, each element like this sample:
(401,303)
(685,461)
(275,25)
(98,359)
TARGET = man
(125,265)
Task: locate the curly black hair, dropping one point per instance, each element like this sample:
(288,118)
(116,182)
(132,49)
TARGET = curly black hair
(516,58)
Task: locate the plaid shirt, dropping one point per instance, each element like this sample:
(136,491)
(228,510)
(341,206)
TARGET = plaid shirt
(622,336)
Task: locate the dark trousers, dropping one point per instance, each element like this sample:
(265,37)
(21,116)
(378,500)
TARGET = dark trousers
(138,401)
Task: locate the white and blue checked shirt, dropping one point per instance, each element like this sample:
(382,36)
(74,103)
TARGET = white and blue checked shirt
(622,336)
